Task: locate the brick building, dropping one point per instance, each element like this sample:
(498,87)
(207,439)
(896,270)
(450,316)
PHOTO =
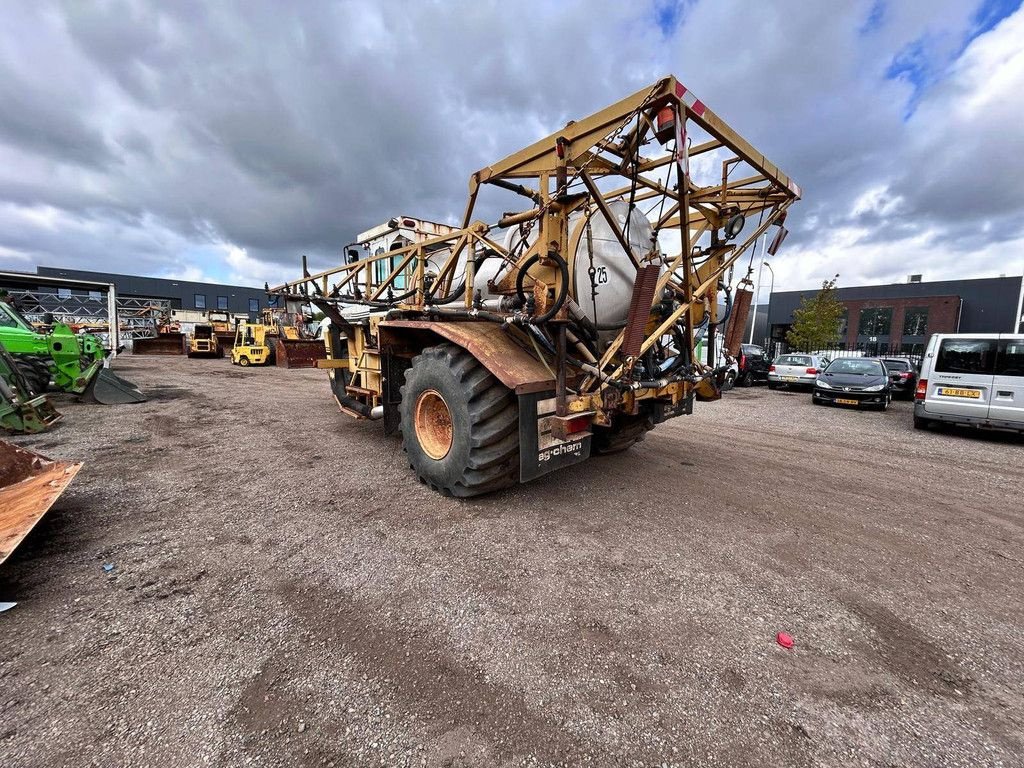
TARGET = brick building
(906,314)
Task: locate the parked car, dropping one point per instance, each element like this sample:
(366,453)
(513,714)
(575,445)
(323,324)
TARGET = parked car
(903,373)
(972,379)
(861,382)
(752,365)
(795,370)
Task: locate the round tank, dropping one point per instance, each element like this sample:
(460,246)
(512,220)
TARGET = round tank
(614,273)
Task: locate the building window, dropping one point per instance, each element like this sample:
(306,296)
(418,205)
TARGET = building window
(915,321)
(200,300)
(844,326)
(95,296)
(254,305)
(64,293)
(222,302)
(875,321)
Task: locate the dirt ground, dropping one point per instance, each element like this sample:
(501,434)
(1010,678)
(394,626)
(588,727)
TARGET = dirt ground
(285,593)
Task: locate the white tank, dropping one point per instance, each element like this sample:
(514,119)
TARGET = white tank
(614,273)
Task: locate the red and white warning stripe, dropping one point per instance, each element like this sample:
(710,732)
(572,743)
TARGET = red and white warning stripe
(691,101)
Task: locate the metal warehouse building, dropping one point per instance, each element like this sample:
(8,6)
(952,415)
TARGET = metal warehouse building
(182,294)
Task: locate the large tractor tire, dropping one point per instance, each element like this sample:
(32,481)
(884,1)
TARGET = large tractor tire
(626,432)
(35,372)
(460,425)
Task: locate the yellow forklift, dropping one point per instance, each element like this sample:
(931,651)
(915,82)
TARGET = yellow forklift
(251,347)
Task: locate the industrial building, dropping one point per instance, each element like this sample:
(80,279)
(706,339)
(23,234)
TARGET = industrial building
(903,315)
(181,294)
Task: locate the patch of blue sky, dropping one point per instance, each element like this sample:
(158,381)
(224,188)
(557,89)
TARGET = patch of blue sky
(918,62)
(668,14)
(875,17)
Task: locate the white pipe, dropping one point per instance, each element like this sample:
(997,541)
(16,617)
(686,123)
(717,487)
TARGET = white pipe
(757,291)
(1020,309)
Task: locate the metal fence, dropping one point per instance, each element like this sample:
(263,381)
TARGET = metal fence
(912,350)
(137,318)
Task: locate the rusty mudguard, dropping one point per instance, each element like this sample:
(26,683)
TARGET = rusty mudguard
(29,485)
(496,350)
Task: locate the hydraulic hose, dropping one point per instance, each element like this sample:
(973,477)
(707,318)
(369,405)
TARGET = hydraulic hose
(563,291)
(585,367)
(728,307)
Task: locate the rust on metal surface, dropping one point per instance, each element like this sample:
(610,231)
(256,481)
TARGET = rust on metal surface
(300,353)
(640,308)
(499,353)
(29,485)
(738,321)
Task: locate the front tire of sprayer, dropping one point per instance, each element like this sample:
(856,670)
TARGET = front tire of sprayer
(460,425)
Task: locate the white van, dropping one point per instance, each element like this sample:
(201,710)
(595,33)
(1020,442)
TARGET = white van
(972,378)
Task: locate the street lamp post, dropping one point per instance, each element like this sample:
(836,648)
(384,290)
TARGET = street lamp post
(771,290)
(757,291)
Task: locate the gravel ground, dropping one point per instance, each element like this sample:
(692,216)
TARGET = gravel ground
(285,593)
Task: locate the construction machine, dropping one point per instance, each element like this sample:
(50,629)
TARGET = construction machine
(251,345)
(169,340)
(22,410)
(29,485)
(290,341)
(75,363)
(204,342)
(570,326)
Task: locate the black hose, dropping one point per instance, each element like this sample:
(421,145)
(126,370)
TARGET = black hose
(563,291)
(586,367)
(728,308)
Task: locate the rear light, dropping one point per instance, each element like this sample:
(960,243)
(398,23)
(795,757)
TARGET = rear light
(743,361)
(771,368)
(812,370)
(905,375)
(922,389)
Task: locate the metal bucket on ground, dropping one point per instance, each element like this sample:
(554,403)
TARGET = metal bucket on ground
(29,485)
(162,344)
(110,389)
(300,353)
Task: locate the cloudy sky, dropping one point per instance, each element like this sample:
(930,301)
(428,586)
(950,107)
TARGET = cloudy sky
(221,140)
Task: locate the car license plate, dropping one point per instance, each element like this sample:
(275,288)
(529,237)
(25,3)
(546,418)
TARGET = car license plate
(790,378)
(843,401)
(974,394)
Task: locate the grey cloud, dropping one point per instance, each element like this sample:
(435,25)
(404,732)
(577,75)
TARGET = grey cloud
(285,128)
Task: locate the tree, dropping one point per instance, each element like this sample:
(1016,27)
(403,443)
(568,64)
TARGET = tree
(816,321)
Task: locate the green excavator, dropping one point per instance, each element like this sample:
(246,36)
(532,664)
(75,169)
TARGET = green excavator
(74,363)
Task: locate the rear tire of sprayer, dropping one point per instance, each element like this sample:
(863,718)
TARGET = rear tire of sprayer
(460,425)
(625,433)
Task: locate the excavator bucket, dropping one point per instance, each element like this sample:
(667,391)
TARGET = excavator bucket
(110,389)
(29,485)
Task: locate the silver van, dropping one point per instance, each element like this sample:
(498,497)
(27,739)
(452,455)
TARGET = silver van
(972,378)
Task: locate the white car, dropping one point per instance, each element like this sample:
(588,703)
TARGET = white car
(794,370)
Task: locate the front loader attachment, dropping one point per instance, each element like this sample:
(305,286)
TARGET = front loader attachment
(300,353)
(29,485)
(162,344)
(110,389)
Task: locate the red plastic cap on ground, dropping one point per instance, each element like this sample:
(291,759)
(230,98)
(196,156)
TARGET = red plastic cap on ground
(785,640)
